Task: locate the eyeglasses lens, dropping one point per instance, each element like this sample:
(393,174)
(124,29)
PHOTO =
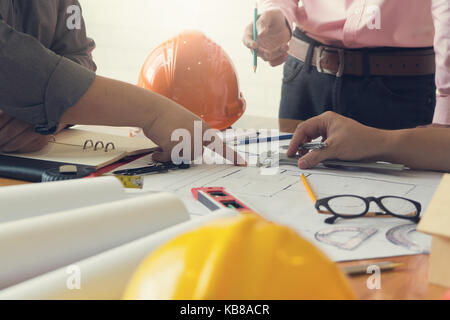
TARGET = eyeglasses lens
(347,206)
(401,207)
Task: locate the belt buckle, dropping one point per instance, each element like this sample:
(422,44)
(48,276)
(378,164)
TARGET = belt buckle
(341,55)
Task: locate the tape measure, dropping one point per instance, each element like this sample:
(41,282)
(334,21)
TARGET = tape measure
(131,182)
(216,198)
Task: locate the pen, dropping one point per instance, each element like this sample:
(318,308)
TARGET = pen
(255,38)
(266,139)
(153,168)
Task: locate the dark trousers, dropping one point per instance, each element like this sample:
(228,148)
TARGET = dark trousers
(387,102)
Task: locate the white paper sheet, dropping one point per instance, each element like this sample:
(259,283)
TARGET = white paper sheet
(34,246)
(103,276)
(282,198)
(26,201)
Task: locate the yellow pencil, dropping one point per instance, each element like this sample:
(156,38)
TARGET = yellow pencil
(308,188)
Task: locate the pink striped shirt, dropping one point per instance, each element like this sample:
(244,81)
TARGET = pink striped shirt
(379,23)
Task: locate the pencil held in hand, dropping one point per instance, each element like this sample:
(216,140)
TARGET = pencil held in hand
(255,38)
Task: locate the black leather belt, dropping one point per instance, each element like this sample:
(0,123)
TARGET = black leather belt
(359,62)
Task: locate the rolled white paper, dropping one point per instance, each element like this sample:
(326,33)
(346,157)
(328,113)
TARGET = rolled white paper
(32,247)
(26,201)
(106,275)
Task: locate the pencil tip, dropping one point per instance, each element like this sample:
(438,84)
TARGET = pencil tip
(254,69)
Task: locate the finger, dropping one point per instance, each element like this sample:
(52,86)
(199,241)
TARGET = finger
(276,54)
(305,132)
(248,38)
(267,55)
(233,156)
(280,60)
(252,45)
(37,144)
(26,138)
(27,142)
(12,130)
(313,158)
(262,30)
(263,25)
(302,152)
(161,156)
(263,54)
(225,151)
(273,55)
(272,42)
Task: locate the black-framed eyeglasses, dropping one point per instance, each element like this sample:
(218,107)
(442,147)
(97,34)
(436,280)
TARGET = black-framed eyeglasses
(351,206)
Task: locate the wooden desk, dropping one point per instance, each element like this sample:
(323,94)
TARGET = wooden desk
(7,182)
(407,282)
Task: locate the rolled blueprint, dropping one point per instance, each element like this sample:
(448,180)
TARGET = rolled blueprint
(26,201)
(31,247)
(106,275)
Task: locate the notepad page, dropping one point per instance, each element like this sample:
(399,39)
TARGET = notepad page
(69,147)
(130,145)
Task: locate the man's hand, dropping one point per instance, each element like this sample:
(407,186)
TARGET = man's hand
(114,103)
(161,130)
(346,140)
(273,37)
(19,136)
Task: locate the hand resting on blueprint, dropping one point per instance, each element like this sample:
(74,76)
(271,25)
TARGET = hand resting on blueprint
(418,148)
(19,136)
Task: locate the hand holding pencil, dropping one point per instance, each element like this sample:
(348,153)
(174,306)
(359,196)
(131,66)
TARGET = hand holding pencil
(268,38)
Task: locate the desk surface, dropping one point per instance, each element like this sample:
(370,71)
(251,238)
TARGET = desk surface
(409,281)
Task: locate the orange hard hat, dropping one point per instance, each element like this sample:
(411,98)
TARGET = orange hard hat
(195,72)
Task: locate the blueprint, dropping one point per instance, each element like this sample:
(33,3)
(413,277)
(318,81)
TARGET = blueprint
(282,198)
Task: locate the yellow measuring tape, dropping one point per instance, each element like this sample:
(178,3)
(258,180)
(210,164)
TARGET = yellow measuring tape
(131,182)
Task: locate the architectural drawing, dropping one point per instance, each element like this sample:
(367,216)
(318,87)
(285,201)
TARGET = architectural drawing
(325,236)
(281,198)
(400,236)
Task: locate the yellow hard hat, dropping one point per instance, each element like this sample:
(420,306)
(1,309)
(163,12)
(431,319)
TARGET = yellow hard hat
(239,258)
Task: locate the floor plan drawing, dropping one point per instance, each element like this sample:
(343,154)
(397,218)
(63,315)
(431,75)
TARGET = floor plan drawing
(282,198)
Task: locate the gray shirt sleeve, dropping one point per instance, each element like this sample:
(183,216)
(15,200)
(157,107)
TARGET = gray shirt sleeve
(73,44)
(38,85)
